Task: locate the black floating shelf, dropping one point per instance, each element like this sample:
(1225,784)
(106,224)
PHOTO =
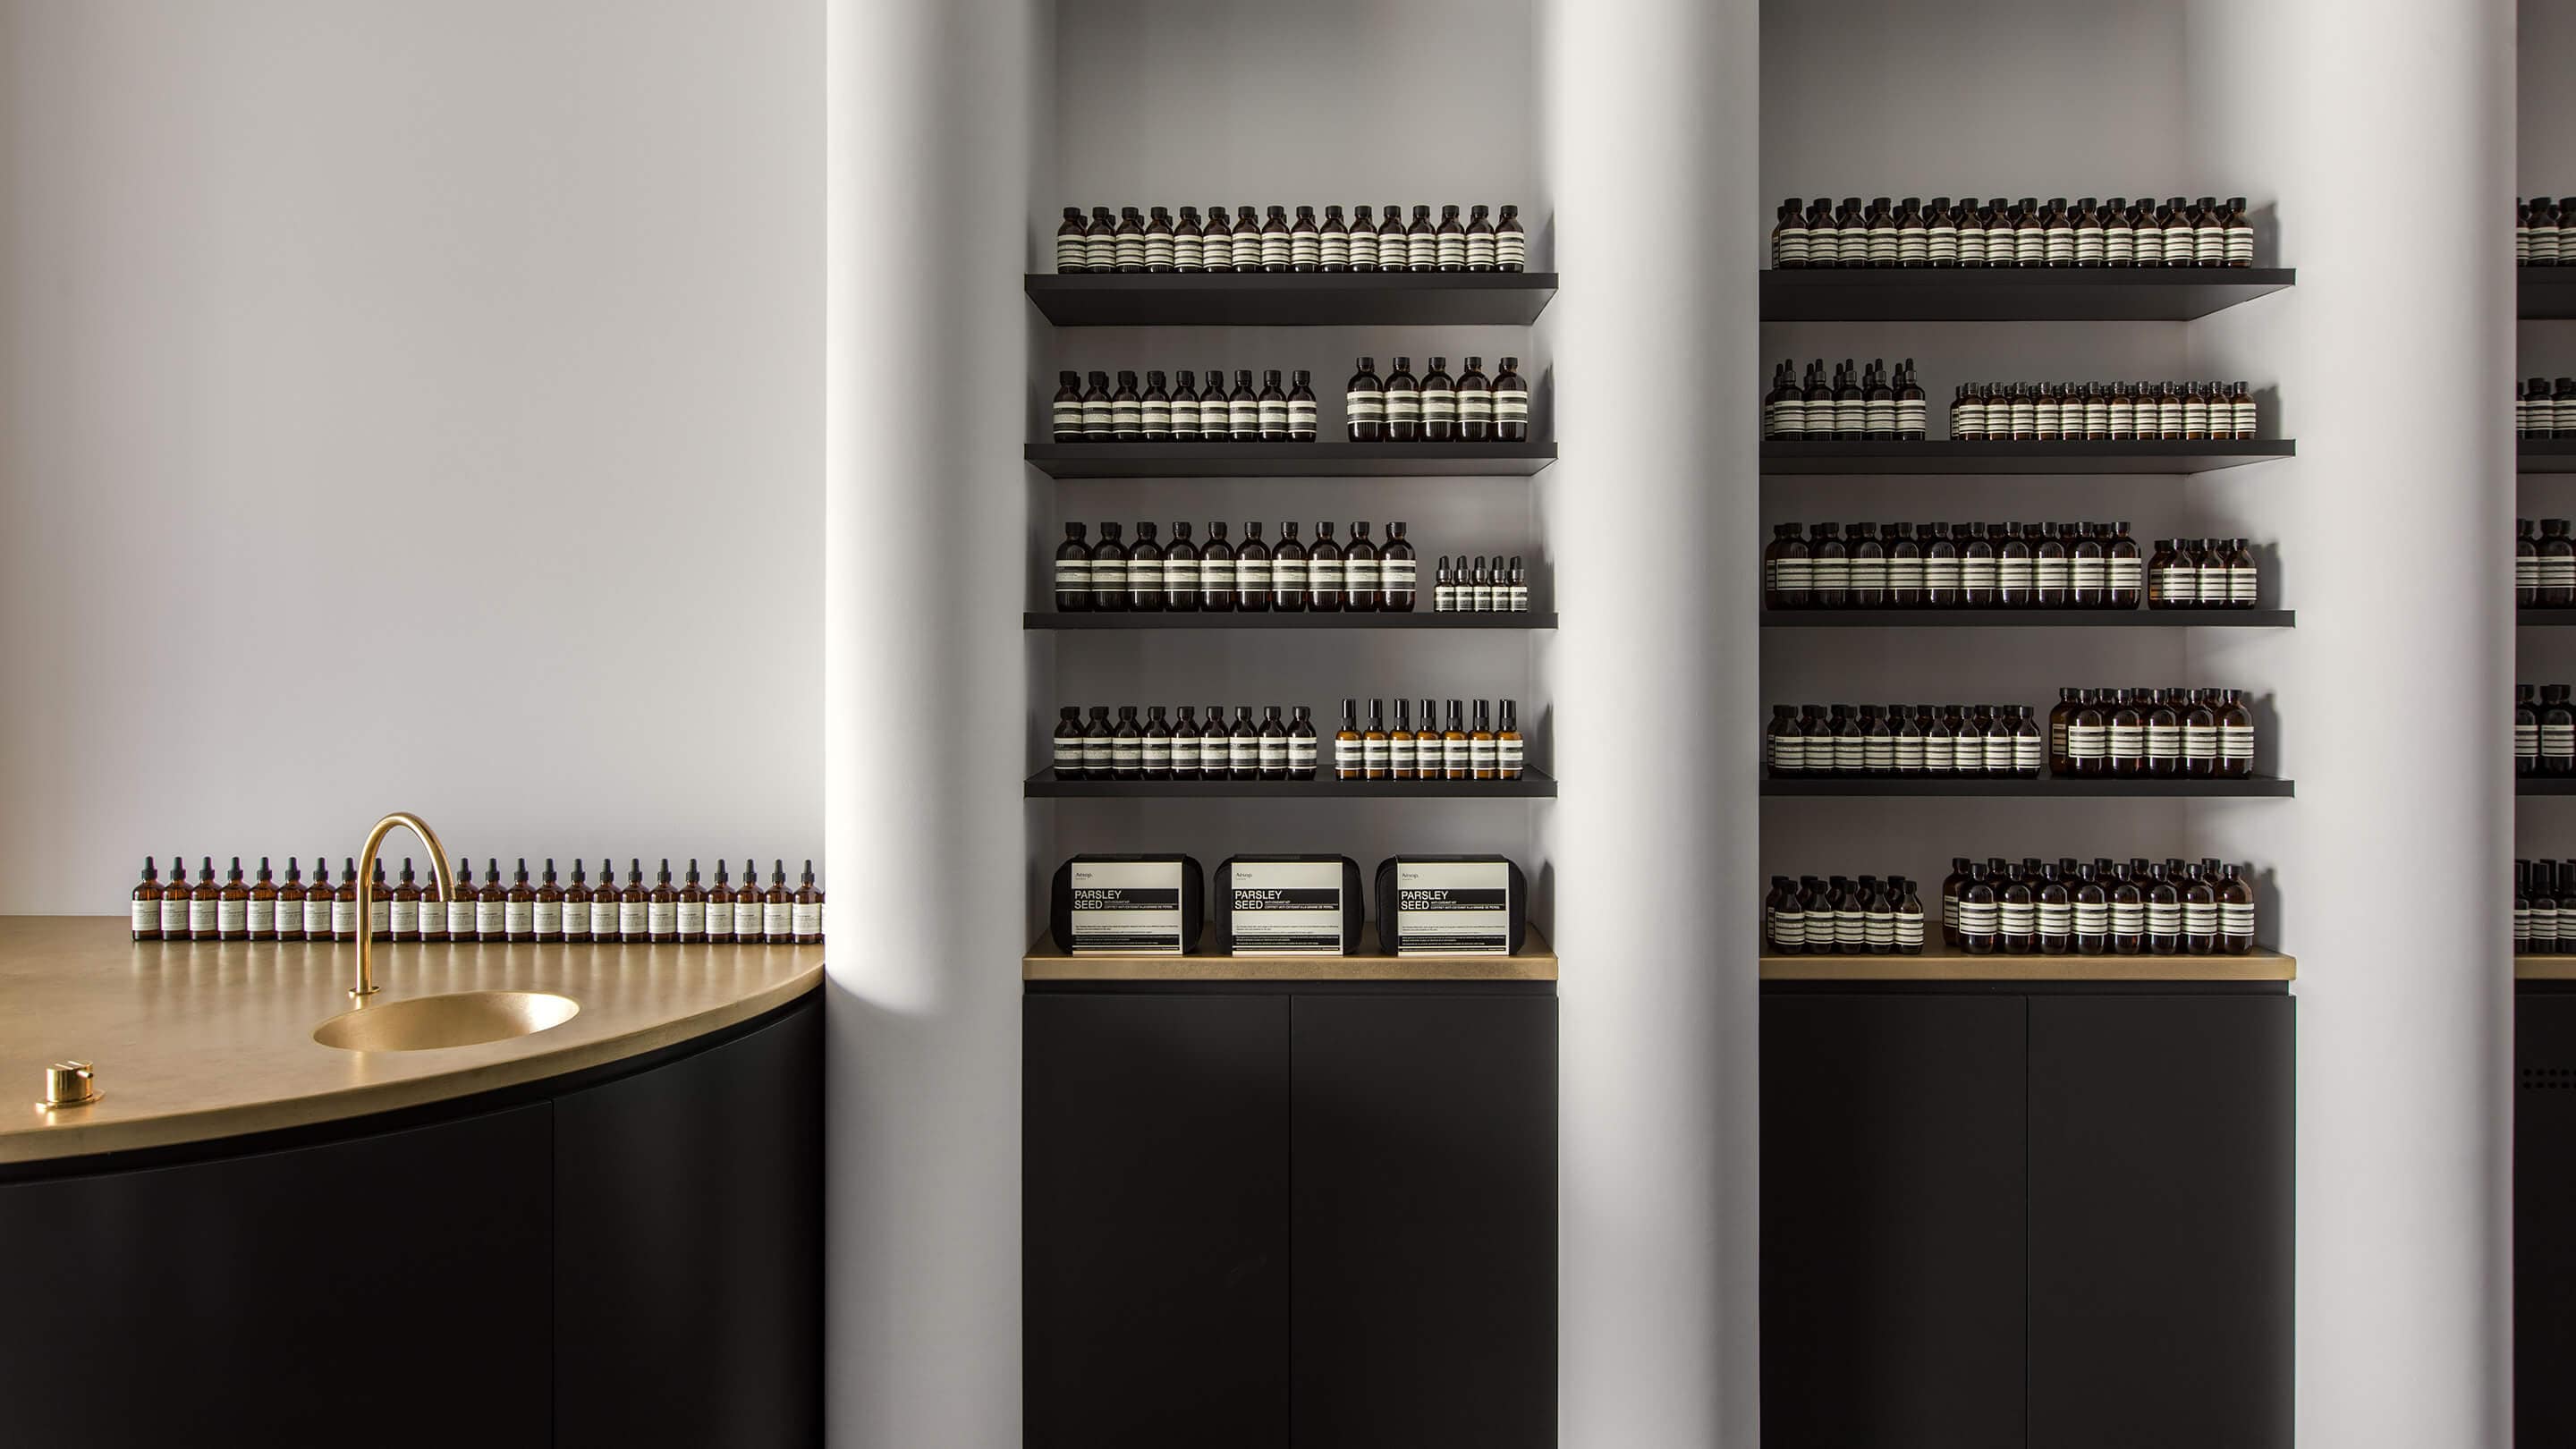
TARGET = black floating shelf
(1531,785)
(1193,620)
(1787,459)
(2545,455)
(2029,618)
(1292,299)
(1290,460)
(2545,785)
(2011,294)
(2545,618)
(2545,292)
(2062,786)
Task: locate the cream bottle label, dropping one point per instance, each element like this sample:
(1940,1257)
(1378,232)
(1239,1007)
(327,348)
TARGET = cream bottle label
(1301,755)
(747,916)
(1180,575)
(1482,756)
(2092,918)
(147,916)
(717,918)
(1216,574)
(2027,752)
(232,917)
(2056,918)
(1403,405)
(1364,407)
(518,918)
(1324,575)
(804,918)
(174,914)
(2236,742)
(632,918)
(1185,750)
(546,917)
(1243,755)
(1457,758)
(1978,918)
(460,918)
(2128,918)
(1071,254)
(1073,576)
(201,917)
(2128,742)
(777,919)
(2163,918)
(1252,575)
(661,918)
(1909,930)
(344,918)
(1511,405)
(1127,752)
(2200,918)
(1301,415)
(2199,742)
(2236,918)
(491,918)
(2017,918)
(404,918)
(603,914)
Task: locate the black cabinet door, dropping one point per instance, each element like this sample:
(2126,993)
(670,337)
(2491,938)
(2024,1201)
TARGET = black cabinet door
(391,1290)
(1155,1234)
(1893,1227)
(2544,1218)
(689,1247)
(1425,1220)
(2160,1208)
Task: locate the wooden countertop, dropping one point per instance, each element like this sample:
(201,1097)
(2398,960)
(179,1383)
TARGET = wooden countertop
(201,1040)
(1535,962)
(1940,963)
(2549,967)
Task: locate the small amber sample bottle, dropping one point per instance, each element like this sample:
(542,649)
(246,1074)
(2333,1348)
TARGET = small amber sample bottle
(492,905)
(576,905)
(693,905)
(202,901)
(403,910)
(288,922)
(606,912)
(662,907)
(719,908)
(232,906)
(344,902)
(147,903)
(778,907)
(805,915)
(380,906)
(519,906)
(547,917)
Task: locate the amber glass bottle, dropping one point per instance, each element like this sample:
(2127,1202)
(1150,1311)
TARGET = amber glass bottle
(662,907)
(634,902)
(805,913)
(519,906)
(146,898)
(719,912)
(777,907)
(345,924)
(693,907)
(576,906)
(403,905)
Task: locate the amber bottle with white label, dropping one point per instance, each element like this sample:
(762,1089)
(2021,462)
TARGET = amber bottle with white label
(692,901)
(719,912)
(805,913)
(576,906)
(777,907)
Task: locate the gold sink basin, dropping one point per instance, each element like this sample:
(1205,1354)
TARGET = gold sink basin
(463,1018)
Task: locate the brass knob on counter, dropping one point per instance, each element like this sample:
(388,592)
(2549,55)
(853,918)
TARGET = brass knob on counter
(70,1084)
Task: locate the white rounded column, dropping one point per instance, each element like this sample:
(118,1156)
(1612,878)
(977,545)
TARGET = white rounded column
(1650,118)
(929,118)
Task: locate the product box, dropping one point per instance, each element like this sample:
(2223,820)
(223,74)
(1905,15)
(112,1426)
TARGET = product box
(1127,905)
(1452,905)
(1288,905)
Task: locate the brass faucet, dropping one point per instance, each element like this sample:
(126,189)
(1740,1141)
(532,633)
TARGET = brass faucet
(366,984)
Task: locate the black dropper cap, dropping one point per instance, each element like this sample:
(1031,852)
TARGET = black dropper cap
(522,876)
(348,868)
(236,871)
(634,871)
(777,872)
(809,865)
(693,870)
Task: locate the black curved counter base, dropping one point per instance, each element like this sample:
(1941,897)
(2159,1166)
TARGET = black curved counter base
(622,1257)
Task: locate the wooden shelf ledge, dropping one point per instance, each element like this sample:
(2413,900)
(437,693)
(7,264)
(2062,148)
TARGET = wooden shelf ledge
(1940,963)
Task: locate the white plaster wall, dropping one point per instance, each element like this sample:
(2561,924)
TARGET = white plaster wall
(2404,1035)
(412,406)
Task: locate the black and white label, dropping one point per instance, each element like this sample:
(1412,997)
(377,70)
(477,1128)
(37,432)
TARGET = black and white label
(2200,918)
(1350,757)
(2128,918)
(1364,405)
(1286,907)
(1511,248)
(1127,907)
(2127,574)
(2017,918)
(1403,405)
(2092,918)
(2164,741)
(1439,405)
(2087,742)
(1789,926)
(2015,572)
(1189,252)
(1978,918)
(2236,918)
(1788,750)
(1511,405)
(1215,420)
(2028,753)
(2056,918)
(1452,908)
(2199,742)
(2236,742)
(1073,576)
(1364,251)
(2164,918)
(2128,742)
(1243,756)
(1941,754)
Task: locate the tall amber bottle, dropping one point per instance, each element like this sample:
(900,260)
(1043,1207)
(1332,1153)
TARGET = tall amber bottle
(203,901)
(607,913)
(403,908)
(519,907)
(345,924)
(719,909)
(576,905)
(492,905)
(380,906)
(634,905)
(321,909)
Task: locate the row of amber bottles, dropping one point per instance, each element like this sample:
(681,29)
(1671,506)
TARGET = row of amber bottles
(2544,231)
(2544,907)
(1436,407)
(2094,412)
(1843,915)
(2544,730)
(1481,749)
(2171,909)
(1912,741)
(1152,239)
(1115,574)
(2544,563)
(1155,748)
(1182,411)
(2024,233)
(411,909)
(1951,566)
(2543,408)
(1871,404)
(1479,587)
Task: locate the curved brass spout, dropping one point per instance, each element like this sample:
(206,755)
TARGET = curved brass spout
(366,985)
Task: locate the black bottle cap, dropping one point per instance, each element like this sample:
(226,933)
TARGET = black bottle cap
(1509,364)
(1367,364)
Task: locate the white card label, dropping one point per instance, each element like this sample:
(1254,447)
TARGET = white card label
(1285,907)
(1127,907)
(1453,908)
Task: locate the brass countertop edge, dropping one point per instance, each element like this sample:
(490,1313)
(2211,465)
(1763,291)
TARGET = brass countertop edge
(67,1141)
